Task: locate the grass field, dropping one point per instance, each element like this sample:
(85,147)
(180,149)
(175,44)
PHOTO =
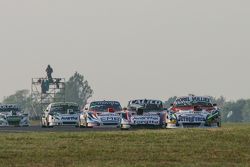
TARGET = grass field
(227,146)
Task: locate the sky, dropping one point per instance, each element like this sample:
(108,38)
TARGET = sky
(129,49)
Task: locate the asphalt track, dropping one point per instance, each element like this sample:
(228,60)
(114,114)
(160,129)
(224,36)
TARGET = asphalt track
(38,128)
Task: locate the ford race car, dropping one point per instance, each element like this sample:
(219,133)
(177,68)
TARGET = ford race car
(11,115)
(101,113)
(143,112)
(61,114)
(193,111)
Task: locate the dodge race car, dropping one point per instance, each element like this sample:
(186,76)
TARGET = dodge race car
(11,115)
(61,114)
(143,112)
(193,111)
(101,113)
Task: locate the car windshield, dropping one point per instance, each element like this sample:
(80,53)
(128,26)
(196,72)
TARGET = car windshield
(103,106)
(65,109)
(146,105)
(9,108)
(191,104)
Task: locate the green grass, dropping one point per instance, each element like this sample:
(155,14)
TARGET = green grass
(227,146)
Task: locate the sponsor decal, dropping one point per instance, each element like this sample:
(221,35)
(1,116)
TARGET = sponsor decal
(192,99)
(9,107)
(110,119)
(145,101)
(105,103)
(143,120)
(69,118)
(191,119)
(108,114)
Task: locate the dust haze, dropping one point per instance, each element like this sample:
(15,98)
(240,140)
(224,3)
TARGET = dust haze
(129,49)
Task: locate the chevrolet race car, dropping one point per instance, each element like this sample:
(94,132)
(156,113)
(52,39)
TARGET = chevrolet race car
(101,113)
(145,113)
(193,111)
(11,115)
(61,114)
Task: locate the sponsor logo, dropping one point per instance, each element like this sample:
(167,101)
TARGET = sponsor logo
(107,115)
(110,119)
(192,99)
(69,118)
(143,120)
(145,101)
(105,103)
(191,119)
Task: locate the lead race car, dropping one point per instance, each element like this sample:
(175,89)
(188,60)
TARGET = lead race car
(101,113)
(143,113)
(12,115)
(61,114)
(193,111)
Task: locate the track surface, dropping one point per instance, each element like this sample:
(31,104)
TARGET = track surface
(56,129)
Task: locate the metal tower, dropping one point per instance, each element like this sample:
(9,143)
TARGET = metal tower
(55,92)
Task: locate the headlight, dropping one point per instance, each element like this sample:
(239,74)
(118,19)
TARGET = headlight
(172,118)
(214,115)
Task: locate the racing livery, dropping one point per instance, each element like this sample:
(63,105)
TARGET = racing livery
(143,112)
(101,113)
(193,111)
(61,114)
(11,115)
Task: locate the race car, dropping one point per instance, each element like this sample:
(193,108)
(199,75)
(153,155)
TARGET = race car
(61,114)
(193,111)
(143,113)
(100,113)
(12,115)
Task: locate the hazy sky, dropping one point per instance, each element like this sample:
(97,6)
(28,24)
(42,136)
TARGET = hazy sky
(131,48)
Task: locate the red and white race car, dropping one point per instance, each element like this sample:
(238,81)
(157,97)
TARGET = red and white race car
(100,113)
(143,113)
(193,111)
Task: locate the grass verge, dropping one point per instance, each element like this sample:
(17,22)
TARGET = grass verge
(227,146)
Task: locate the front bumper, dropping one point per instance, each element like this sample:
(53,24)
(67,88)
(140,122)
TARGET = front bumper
(191,125)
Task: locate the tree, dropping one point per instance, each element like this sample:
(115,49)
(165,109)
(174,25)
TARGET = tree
(246,111)
(22,98)
(219,101)
(238,110)
(78,89)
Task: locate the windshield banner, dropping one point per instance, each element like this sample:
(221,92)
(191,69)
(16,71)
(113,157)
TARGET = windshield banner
(9,107)
(145,101)
(192,99)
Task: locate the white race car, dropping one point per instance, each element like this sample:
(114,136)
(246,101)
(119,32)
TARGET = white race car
(143,113)
(61,114)
(193,111)
(101,113)
(11,115)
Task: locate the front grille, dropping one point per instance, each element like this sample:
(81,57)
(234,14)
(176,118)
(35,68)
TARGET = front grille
(147,126)
(110,123)
(15,123)
(191,125)
(69,123)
